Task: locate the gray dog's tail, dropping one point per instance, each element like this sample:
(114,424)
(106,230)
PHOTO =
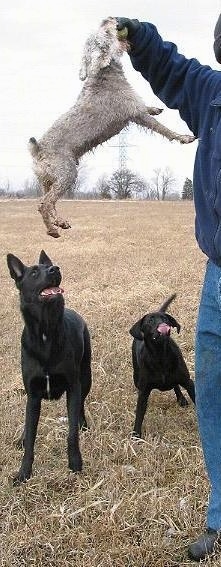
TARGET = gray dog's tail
(167,303)
(33,146)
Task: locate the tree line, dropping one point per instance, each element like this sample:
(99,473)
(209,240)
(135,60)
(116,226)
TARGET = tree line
(121,184)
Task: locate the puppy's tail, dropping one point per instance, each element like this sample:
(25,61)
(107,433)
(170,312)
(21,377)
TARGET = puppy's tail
(33,147)
(167,303)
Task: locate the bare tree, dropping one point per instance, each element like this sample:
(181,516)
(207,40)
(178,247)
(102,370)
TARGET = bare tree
(162,182)
(125,184)
(103,188)
(32,188)
(5,189)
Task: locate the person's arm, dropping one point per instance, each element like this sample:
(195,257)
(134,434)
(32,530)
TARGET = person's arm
(180,83)
(217,38)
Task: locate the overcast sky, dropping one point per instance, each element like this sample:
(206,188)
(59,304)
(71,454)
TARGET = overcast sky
(41,46)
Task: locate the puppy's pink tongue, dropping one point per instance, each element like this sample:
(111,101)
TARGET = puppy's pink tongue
(163,329)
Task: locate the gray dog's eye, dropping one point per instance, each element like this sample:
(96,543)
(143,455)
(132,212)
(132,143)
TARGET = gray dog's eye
(34,273)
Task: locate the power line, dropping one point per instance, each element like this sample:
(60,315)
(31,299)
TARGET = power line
(122,147)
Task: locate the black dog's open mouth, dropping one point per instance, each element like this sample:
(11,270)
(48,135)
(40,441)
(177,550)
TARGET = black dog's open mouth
(51,291)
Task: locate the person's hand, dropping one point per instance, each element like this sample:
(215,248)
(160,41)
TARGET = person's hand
(127,28)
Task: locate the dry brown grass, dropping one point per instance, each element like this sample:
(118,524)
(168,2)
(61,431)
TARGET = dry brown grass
(135,504)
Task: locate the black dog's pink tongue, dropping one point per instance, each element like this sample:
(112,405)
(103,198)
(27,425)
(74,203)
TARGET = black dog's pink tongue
(52,291)
(163,329)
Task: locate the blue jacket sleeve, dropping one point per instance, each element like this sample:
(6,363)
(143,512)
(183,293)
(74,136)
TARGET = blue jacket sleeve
(181,83)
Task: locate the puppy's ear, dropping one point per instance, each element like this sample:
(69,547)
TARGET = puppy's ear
(44,259)
(16,267)
(173,323)
(136,330)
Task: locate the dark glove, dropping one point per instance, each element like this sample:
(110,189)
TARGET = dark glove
(217,42)
(131,25)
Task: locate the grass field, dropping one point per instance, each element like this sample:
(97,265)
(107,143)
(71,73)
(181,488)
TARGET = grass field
(136,504)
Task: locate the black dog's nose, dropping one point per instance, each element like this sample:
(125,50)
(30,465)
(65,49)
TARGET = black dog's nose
(53,269)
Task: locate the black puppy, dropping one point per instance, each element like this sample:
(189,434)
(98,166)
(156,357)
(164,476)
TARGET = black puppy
(157,361)
(55,355)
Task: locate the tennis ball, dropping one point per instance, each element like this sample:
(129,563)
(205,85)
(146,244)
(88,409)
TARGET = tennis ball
(122,34)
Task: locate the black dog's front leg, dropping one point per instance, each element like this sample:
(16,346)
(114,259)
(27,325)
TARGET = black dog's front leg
(190,388)
(73,408)
(181,400)
(142,400)
(33,409)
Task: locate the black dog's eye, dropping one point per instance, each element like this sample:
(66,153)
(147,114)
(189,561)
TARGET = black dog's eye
(34,272)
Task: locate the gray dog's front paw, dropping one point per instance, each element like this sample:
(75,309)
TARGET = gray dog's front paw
(186,139)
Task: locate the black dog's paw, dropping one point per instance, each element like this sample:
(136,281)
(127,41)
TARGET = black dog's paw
(20,477)
(83,425)
(135,435)
(75,462)
(183,402)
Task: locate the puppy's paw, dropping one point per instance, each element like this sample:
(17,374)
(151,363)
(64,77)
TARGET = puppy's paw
(75,462)
(20,477)
(183,402)
(135,435)
(83,425)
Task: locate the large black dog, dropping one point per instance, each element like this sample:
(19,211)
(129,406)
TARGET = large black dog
(157,361)
(55,355)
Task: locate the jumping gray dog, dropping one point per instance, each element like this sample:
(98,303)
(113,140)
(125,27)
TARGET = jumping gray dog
(106,104)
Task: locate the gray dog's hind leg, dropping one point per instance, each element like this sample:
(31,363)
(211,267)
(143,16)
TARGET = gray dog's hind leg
(46,211)
(65,176)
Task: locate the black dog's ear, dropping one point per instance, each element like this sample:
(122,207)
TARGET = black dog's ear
(136,330)
(173,323)
(44,259)
(16,267)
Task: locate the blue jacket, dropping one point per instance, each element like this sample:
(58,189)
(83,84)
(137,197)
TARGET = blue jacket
(195,90)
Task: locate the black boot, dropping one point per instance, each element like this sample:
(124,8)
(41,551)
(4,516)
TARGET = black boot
(205,545)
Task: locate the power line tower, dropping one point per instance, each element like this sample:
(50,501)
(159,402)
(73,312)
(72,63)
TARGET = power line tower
(122,149)
(122,156)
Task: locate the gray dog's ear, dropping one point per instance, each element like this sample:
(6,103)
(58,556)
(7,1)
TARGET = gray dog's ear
(136,330)
(44,259)
(173,323)
(16,267)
